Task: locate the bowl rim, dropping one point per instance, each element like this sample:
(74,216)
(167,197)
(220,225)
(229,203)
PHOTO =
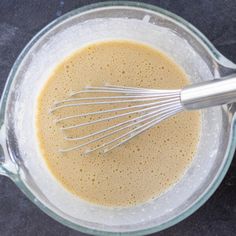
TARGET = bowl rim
(196,34)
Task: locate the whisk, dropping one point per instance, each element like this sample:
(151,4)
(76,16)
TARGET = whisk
(135,110)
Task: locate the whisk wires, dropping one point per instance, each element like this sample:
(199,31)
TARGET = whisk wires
(126,112)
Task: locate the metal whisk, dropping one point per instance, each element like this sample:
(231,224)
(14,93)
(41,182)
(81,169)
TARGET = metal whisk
(134,110)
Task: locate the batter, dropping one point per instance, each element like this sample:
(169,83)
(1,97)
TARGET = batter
(143,168)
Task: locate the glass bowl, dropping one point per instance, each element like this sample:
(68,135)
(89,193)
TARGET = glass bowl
(20,158)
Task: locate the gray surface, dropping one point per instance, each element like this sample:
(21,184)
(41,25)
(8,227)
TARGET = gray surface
(20,20)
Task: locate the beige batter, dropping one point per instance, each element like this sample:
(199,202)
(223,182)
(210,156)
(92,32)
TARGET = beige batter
(144,167)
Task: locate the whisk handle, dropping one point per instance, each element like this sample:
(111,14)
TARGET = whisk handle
(211,93)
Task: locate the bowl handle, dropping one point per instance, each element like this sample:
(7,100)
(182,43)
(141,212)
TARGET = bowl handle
(7,166)
(224,68)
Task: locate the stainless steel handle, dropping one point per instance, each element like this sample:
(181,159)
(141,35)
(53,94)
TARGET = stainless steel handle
(211,93)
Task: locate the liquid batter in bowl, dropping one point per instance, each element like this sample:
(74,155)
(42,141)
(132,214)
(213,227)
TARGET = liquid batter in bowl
(139,170)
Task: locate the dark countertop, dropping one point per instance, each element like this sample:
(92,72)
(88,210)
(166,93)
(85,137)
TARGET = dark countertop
(20,20)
